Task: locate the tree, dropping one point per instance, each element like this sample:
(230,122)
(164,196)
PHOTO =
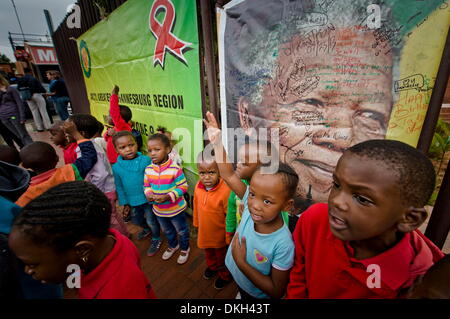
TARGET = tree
(4,59)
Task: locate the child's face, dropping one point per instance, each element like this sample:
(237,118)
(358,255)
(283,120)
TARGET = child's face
(157,151)
(42,262)
(126,147)
(248,161)
(266,197)
(58,137)
(209,173)
(365,200)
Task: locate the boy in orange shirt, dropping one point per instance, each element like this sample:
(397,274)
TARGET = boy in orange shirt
(210,208)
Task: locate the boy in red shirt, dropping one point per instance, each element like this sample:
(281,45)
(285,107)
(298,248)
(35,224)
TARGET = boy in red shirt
(210,209)
(120,117)
(364,243)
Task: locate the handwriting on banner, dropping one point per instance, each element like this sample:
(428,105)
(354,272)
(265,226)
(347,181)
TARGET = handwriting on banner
(385,38)
(170,101)
(410,110)
(316,42)
(415,81)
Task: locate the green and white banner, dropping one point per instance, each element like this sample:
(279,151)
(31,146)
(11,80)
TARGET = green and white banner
(150,49)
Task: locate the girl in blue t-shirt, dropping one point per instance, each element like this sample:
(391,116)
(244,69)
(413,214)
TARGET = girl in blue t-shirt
(262,250)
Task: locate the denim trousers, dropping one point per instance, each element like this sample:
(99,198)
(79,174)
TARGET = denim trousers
(153,223)
(143,216)
(61,103)
(173,226)
(138,215)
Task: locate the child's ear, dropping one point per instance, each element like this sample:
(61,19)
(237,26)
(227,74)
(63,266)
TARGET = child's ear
(412,219)
(289,205)
(84,248)
(84,133)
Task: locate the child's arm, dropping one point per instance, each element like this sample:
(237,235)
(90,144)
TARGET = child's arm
(273,284)
(230,220)
(121,195)
(181,186)
(114,111)
(296,288)
(195,208)
(88,153)
(180,190)
(148,185)
(225,166)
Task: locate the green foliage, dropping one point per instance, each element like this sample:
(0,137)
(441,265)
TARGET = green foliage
(441,140)
(4,59)
(438,148)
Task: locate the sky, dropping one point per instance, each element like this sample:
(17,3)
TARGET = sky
(32,18)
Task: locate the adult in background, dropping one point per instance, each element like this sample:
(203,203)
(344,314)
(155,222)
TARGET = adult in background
(58,93)
(12,112)
(36,101)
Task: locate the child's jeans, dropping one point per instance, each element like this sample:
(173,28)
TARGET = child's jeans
(138,214)
(153,223)
(173,226)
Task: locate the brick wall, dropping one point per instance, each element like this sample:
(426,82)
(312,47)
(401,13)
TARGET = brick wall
(447,93)
(445,113)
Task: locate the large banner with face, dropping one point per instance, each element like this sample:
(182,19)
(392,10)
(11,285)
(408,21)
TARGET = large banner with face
(328,75)
(150,49)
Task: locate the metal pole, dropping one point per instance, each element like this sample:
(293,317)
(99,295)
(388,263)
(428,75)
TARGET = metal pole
(206,15)
(439,223)
(48,17)
(437,96)
(11,41)
(17,15)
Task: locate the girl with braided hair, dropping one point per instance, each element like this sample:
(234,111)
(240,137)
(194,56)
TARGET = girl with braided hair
(69,225)
(262,251)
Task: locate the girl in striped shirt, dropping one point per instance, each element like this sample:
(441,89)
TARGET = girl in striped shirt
(164,186)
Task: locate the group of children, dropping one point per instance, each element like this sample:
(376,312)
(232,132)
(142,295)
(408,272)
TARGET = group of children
(367,230)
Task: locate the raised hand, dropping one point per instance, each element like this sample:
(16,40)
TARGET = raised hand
(71,131)
(212,128)
(115,90)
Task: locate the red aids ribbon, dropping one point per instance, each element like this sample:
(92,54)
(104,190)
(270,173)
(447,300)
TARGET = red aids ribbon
(165,39)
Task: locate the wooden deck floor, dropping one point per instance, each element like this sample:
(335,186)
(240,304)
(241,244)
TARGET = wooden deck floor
(173,281)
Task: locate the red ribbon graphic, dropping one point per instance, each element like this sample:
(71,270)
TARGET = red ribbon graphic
(165,39)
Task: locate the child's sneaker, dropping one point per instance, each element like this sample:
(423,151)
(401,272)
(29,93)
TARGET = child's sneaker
(169,252)
(143,234)
(220,283)
(154,247)
(127,219)
(184,255)
(209,273)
